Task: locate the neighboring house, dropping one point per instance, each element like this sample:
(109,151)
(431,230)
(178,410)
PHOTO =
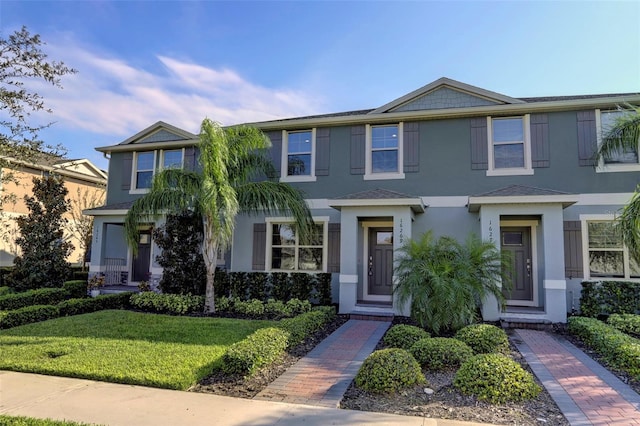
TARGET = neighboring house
(83,180)
(448,157)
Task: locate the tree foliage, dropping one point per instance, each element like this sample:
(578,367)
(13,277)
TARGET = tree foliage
(80,226)
(22,62)
(180,238)
(446,281)
(233,166)
(43,262)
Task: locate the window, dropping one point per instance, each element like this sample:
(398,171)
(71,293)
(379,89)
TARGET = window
(286,252)
(605,254)
(509,147)
(143,169)
(384,152)
(620,161)
(298,156)
(172,159)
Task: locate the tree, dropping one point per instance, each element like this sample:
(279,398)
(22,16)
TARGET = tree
(445,281)
(22,60)
(80,227)
(233,164)
(623,136)
(183,269)
(43,262)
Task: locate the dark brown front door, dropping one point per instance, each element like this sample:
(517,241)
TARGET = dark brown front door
(517,242)
(141,261)
(380,262)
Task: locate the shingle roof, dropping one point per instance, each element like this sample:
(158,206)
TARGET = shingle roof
(519,191)
(116,206)
(375,194)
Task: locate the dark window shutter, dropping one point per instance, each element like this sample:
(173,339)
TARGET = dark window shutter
(190,158)
(540,156)
(276,151)
(259,246)
(587,138)
(411,141)
(357,150)
(333,263)
(323,147)
(479,144)
(127,169)
(573,249)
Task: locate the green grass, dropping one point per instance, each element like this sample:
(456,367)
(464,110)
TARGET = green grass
(124,347)
(30,421)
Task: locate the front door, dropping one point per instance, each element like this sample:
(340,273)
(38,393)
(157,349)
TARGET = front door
(141,261)
(380,264)
(516,241)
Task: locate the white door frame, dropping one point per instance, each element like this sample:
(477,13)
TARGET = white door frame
(365,256)
(532,225)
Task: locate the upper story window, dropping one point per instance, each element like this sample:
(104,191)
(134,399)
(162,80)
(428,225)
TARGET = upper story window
(384,152)
(172,159)
(298,154)
(605,255)
(509,146)
(624,161)
(286,251)
(143,169)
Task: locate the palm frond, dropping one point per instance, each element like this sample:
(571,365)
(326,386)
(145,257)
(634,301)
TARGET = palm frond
(623,136)
(629,225)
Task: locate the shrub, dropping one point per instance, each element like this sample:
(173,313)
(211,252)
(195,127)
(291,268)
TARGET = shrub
(495,378)
(295,307)
(86,305)
(5,290)
(256,351)
(27,315)
(403,336)
(276,309)
(619,350)
(301,285)
(323,288)
(80,276)
(224,304)
(173,304)
(75,288)
(389,370)
(627,323)
(253,308)
(222,285)
(484,338)
(42,296)
(609,297)
(440,353)
(238,285)
(258,285)
(280,286)
(305,324)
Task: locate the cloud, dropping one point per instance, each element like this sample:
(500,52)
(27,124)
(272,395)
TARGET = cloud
(111,96)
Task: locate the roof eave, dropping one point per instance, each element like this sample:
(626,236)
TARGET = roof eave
(416,204)
(475,203)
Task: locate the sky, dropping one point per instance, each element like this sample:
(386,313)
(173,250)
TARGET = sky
(235,62)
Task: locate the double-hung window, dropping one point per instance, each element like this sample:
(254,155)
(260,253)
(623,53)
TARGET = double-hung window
(286,251)
(298,155)
(384,152)
(143,170)
(621,161)
(605,254)
(509,146)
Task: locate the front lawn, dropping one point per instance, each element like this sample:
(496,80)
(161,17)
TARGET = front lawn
(124,347)
(30,421)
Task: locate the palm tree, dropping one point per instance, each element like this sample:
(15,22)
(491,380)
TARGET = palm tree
(623,136)
(233,164)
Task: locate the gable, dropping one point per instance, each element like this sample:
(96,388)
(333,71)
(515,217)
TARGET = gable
(161,136)
(442,98)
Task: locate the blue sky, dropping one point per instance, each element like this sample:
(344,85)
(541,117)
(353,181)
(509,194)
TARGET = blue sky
(143,61)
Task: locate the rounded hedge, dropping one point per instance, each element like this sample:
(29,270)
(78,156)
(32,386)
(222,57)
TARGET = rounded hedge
(440,353)
(389,370)
(484,338)
(495,378)
(403,336)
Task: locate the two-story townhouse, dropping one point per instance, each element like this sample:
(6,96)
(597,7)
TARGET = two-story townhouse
(448,157)
(83,180)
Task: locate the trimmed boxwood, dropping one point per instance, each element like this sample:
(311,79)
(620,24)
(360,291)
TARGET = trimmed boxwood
(403,336)
(389,370)
(28,314)
(484,338)
(41,296)
(627,323)
(609,297)
(440,353)
(172,304)
(303,325)
(75,288)
(258,350)
(495,378)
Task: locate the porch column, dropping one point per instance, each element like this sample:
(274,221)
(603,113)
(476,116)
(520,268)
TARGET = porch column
(348,261)
(555,284)
(96,244)
(402,224)
(490,231)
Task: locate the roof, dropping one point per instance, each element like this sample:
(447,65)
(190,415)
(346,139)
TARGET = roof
(379,198)
(375,194)
(109,209)
(520,194)
(520,190)
(159,134)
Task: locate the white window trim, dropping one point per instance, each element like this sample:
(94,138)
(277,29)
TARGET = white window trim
(134,172)
(611,168)
(526,133)
(368,174)
(584,219)
(162,153)
(284,177)
(325,242)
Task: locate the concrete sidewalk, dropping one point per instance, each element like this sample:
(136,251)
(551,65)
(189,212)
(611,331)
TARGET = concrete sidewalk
(60,398)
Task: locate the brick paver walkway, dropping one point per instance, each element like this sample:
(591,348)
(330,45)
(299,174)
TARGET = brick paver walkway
(586,393)
(322,377)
